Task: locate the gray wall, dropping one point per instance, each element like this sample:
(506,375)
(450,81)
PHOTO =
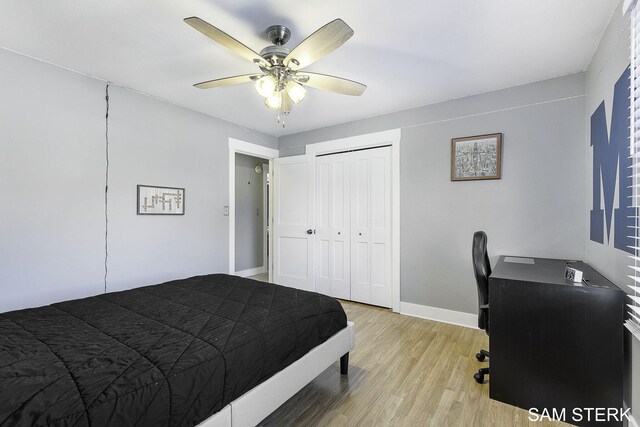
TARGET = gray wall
(52,173)
(535,209)
(249,213)
(608,63)
(52,178)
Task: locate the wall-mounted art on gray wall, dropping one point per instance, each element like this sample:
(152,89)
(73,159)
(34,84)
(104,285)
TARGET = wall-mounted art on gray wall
(160,200)
(476,157)
(611,163)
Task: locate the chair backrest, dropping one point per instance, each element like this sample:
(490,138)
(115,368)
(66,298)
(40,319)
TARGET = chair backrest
(482,270)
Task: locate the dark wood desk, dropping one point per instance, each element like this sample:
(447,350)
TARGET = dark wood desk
(553,343)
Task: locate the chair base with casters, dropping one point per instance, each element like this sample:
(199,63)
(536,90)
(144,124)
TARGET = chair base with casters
(479,376)
(482,355)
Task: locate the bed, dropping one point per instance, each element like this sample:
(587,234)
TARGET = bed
(213,350)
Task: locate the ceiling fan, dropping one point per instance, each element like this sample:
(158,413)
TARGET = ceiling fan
(280,80)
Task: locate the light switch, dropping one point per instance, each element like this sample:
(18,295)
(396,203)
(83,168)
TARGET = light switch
(226,211)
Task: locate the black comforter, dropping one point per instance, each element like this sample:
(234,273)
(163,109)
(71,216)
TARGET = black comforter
(169,354)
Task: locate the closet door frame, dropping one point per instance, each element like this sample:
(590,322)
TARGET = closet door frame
(372,140)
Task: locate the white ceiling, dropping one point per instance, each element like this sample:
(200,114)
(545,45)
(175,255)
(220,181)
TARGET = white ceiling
(408,52)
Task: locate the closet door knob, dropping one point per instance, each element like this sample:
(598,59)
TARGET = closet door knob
(309,231)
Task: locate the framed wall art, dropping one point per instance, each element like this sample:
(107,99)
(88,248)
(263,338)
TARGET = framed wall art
(154,200)
(476,157)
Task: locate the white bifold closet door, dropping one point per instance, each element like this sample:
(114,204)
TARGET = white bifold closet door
(333,220)
(353,225)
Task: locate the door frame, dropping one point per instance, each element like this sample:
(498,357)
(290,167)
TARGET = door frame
(267,211)
(248,148)
(371,140)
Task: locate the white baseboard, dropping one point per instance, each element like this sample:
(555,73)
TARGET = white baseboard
(251,271)
(459,318)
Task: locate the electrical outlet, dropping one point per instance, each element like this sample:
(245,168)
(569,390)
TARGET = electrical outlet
(226,211)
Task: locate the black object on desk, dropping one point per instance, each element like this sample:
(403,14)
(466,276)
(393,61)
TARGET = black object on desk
(555,344)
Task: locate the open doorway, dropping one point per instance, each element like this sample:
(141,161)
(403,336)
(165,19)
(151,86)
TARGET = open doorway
(249,209)
(251,213)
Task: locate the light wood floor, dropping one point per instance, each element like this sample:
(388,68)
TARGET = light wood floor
(264,277)
(403,371)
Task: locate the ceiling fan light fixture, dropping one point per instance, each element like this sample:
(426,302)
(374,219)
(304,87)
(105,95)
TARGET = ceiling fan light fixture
(274,101)
(296,91)
(266,85)
(281,79)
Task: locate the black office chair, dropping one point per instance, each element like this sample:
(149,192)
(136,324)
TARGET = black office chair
(482,270)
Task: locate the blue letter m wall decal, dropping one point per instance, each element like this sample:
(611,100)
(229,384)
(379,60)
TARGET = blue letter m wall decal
(610,161)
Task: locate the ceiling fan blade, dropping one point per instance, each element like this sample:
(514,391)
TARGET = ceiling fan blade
(319,44)
(331,83)
(225,40)
(228,81)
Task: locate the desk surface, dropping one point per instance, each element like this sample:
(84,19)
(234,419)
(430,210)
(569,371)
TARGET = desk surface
(547,270)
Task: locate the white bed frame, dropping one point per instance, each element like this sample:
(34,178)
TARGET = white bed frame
(256,404)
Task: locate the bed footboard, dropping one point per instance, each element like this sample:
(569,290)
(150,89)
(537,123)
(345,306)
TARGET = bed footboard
(250,408)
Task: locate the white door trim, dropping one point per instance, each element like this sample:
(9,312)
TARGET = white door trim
(242,147)
(388,137)
(266,210)
(355,142)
